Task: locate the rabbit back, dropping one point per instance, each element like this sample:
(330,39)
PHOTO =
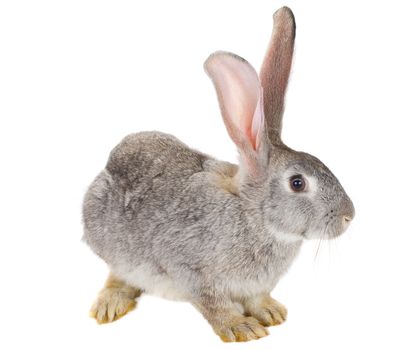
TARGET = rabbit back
(143,172)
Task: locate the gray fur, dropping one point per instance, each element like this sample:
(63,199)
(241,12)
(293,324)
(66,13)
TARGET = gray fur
(204,228)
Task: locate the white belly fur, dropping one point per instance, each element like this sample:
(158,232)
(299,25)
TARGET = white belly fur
(150,281)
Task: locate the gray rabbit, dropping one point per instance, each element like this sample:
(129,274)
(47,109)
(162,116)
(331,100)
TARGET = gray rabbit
(178,223)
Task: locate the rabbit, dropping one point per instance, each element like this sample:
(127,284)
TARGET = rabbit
(172,221)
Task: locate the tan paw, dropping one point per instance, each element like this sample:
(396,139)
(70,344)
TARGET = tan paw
(111,304)
(242,329)
(268,311)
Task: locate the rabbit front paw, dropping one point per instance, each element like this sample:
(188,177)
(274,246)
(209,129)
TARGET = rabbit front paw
(241,329)
(266,310)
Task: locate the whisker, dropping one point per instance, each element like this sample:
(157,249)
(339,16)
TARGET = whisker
(335,245)
(318,248)
(323,236)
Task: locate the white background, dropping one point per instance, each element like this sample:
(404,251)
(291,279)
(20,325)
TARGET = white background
(77,76)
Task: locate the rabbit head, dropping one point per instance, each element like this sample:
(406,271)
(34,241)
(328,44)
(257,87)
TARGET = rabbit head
(297,195)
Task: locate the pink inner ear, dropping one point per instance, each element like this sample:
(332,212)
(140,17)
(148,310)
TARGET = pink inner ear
(240,96)
(258,122)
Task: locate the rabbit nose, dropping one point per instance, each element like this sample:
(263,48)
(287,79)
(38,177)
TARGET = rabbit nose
(346,220)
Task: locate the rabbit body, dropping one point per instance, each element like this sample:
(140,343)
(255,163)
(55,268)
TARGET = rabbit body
(160,216)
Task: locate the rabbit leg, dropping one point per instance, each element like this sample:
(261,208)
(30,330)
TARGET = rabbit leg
(114,300)
(228,323)
(268,311)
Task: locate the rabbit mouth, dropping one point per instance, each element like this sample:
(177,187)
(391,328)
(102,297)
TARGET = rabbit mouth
(333,227)
(335,224)
(336,227)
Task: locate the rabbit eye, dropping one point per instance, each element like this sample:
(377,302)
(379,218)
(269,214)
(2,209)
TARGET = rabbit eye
(297,183)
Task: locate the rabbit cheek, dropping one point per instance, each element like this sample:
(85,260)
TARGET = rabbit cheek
(300,214)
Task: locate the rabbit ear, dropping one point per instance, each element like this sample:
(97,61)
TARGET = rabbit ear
(275,71)
(241,102)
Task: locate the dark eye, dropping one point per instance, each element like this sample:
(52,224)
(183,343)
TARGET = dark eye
(297,183)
